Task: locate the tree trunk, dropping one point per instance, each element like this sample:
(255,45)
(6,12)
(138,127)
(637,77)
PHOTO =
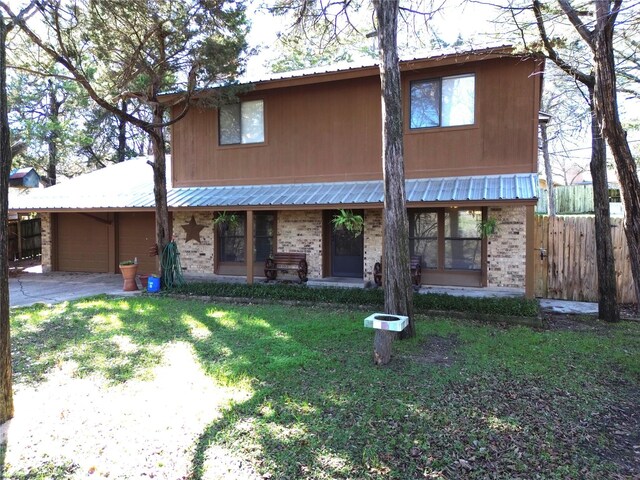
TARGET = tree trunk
(52,137)
(547,169)
(606,104)
(607,302)
(6,388)
(398,292)
(156,134)
(122,134)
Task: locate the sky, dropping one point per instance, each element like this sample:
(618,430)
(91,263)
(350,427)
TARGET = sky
(471,21)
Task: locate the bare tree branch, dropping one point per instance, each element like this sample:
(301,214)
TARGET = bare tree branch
(551,51)
(572,15)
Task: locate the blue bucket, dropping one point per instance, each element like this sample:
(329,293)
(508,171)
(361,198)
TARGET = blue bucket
(153,284)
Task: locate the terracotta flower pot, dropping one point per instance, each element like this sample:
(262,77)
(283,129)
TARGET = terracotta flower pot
(129,276)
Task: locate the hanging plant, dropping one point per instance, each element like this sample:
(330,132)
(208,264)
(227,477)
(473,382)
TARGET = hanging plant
(488,227)
(226,220)
(351,222)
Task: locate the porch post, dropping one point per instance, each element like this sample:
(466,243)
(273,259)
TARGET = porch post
(249,247)
(19,238)
(529,287)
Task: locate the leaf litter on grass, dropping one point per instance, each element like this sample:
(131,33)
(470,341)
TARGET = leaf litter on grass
(283,392)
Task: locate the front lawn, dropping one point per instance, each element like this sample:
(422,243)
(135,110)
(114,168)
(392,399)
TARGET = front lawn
(162,388)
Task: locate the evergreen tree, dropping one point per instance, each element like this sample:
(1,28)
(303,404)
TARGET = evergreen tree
(135,50)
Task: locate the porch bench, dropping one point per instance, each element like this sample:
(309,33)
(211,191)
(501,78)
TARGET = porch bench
(416,271)
(285,262)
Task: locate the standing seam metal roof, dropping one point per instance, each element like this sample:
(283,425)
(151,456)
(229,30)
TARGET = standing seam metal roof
(448,189)
(130,185)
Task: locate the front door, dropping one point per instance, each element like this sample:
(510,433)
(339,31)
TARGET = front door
(346,253)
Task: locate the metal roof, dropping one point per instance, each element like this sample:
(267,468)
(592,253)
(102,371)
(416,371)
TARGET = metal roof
(124,185)
(366,62)
(448,189)
(129,185)
(466,53)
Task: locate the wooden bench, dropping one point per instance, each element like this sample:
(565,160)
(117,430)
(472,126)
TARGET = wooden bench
(284,262)
(416,271)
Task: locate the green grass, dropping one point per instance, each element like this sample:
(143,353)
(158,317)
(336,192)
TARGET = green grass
(495,402)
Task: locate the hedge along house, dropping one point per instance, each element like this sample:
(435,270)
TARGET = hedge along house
(299,146)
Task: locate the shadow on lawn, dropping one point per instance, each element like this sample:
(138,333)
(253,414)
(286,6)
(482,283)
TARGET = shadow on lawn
(318,409)
(119,339)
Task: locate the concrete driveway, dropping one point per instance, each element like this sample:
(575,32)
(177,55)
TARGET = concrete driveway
(29,288)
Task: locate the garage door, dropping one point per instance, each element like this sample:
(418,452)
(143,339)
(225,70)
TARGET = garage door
(136,233)
(83,242)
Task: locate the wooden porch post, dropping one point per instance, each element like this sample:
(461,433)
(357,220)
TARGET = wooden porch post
(19,239)
(249,247)
(529,286)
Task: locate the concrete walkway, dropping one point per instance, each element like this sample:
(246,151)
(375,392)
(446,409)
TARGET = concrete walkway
(29,288)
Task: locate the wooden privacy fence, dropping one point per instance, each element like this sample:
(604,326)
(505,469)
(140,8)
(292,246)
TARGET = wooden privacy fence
(575,199)
(568,269)
(27,244)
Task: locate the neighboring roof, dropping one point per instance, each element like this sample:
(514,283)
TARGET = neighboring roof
(20,172)
(543,117)
(129,185)
(25,177)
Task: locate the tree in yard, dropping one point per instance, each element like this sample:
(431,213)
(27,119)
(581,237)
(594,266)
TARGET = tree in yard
(45,113)
(6,389)
(108,138)
(600,40)
(569,118)
(335,16)
(566,53)
(398,292)
(134,50)
(6,151)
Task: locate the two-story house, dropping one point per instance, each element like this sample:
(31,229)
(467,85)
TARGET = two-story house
(299,146)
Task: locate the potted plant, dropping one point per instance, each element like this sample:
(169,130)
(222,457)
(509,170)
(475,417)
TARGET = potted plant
(351,222)
(488,227)
(226,220)
(129,268)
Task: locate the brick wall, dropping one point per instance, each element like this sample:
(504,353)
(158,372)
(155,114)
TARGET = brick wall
(195,257)
(47,246)
(506,252)
(301,231)
(372,241)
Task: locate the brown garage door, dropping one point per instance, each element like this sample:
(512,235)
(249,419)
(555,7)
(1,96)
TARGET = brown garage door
(136,233)
(82,242)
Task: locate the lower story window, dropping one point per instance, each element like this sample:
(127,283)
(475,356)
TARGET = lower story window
(462,244)
(264,229)
(232,238)
(446,238)
(232,241)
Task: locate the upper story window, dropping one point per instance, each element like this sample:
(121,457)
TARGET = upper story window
(241,123)
(443,102)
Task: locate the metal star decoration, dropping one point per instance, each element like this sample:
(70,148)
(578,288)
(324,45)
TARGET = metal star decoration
(193,230)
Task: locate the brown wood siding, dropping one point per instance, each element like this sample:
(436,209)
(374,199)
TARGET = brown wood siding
(136,234)
(331,132)
(82,243)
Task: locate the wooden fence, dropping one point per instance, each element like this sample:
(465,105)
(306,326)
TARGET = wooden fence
(568,270)
(28,243)
(575,199)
